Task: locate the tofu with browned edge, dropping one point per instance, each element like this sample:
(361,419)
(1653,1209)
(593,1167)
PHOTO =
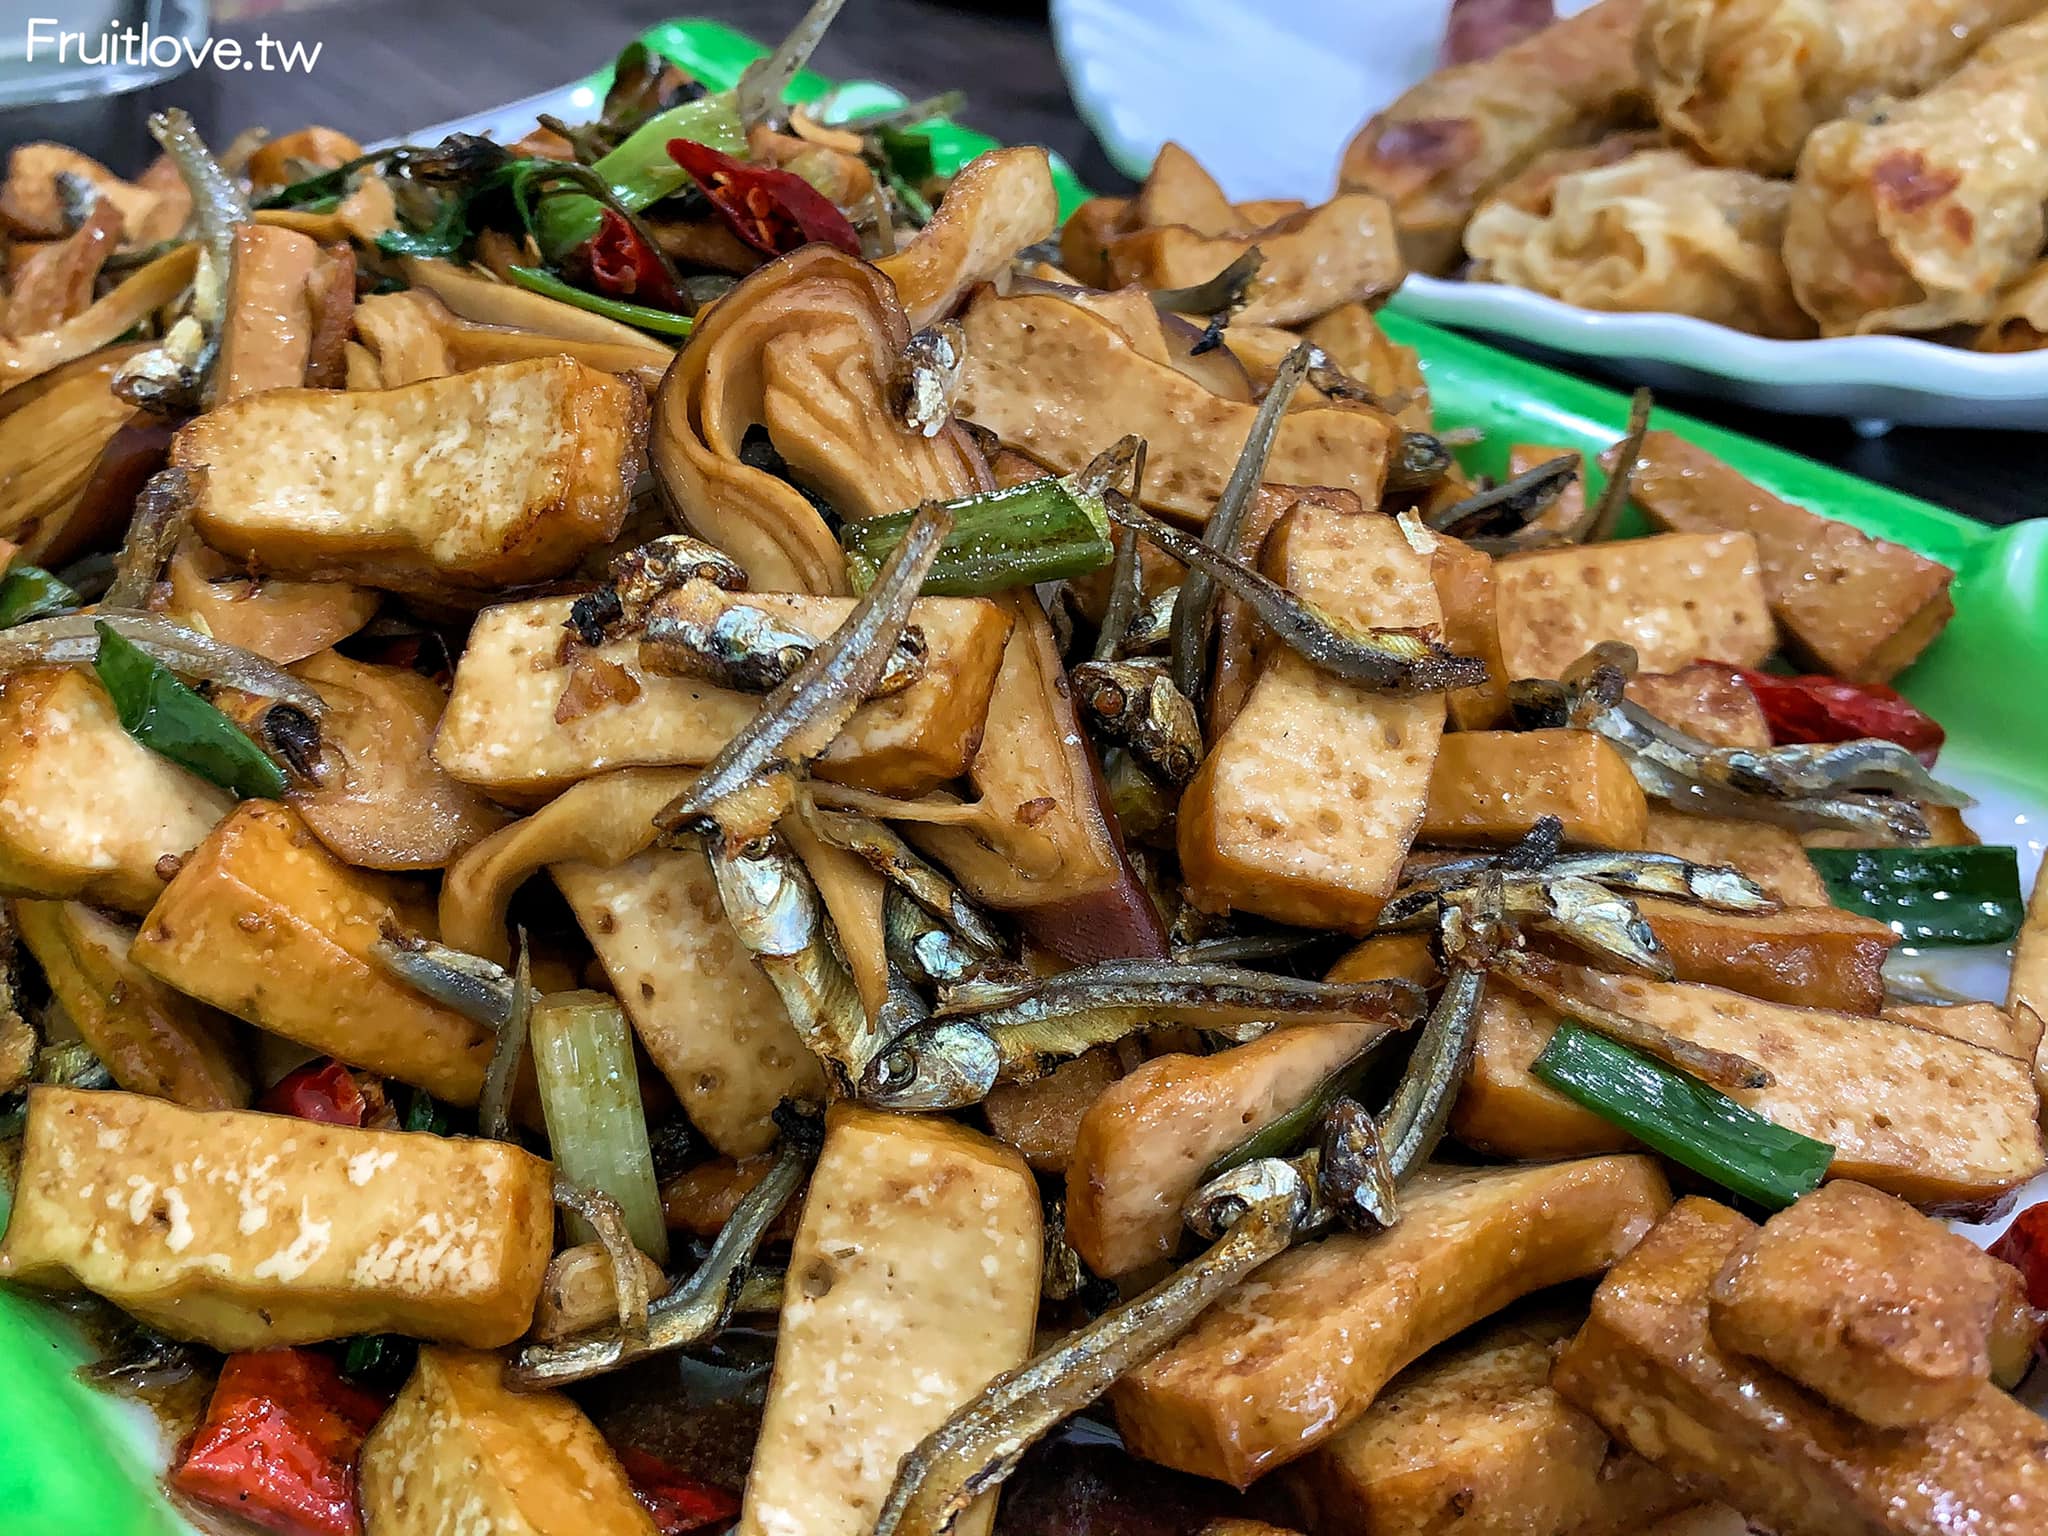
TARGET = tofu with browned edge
(1885,1313)
(1706,702)
(250,1231)
(1473,1440)
(461,1453)
(1301,1350)
(1649,1368)
(475,481)
(1490,787)
(1814,957)
(1771,856)
(264,923)
(1848,604)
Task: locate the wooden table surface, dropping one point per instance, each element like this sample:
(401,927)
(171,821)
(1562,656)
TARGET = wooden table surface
(387,65)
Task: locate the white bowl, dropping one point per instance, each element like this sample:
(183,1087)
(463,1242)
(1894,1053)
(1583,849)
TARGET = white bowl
(1266,94)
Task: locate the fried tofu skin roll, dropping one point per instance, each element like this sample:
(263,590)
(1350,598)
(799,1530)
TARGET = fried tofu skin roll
(1911,216)
(1452,139)
(1655,232)
(1745,81)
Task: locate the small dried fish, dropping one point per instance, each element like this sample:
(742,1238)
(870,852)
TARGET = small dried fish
(629,1281)
(1260,1210)
(1399,661)
(749,650)
(1352,1172)
(923,947)
(494,1104)
(699,1308)
(647,572)
(921,395)
(1419,460)
(1151,629)
(806,712)
(758,96)
(1717,886)
(776,914)
(163,511)
(1421,1107)
(1285,1136)
(1194,614)
(478,989)
(987,1030)
(1125,595)
(1138,706)
(1225,293)
(897,862)
(1601,922)
(1601,517)
(1511,505)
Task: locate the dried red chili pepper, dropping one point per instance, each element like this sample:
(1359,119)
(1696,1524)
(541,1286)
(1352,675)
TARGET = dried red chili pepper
(774,211)
(677,1504)
(2025,1247)
(625,266)
(279,1444)
(322,1090)
(1829,709)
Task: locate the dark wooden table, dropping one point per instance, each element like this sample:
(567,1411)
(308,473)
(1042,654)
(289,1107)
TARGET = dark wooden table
(387,65)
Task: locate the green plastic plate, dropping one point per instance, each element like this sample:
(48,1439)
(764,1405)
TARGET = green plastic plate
(72,1464)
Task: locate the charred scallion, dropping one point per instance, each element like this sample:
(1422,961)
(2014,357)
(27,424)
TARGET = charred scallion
(590,1095)
(662,322)
(1683,1118)
(174,722)
(1042,530)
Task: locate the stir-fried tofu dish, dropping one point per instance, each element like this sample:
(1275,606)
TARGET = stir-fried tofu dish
(701,831)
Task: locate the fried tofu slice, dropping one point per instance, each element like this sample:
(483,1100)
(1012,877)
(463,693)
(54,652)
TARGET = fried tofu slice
(468,483)
(527,718)
(708,1018)
(1473,1439)
(1178,190)
(1648,1367)
(1885,1313)
(1994,1028)
(460,1451)
(913,1283)
(1848,604)
(251,1231)
(1943,1123)
(1705,702)
(1771,856)
(1490,787)
(1464,589)
(86,810)
(263,922)
(1815,957)
(1676,597)
(1305,807)
(2027,990)
(1042,1118)
(1145,1144)
(1300,1351)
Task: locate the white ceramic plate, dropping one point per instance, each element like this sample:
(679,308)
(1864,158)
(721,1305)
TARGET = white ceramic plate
(1266,94)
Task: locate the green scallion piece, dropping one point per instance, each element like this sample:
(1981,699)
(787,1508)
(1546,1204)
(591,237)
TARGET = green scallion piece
(30,592)
(590,1096)
(174,722)
(663,321)
(1038,531)
(640,171)
(1688,1121)
(1966,895)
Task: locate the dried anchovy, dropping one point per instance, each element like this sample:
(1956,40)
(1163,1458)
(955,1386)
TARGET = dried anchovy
(629,1281)
(749,650)
(1397,661)
(922,946)
(897,862)
(759,93)
(699,1308)
(1419,460)
(480,990)
(1421,1107)
(494,1104)
(775,912)
(987,1031)
(921,394)
(1601,517)
(806,713)
(1124,457)
(1510,505)
(1717,886)
(1151,629)
(1138,707)
(218,203)
(1601,922)
(1125,596)
(163,511)
(1224,294)
(1193,615)
(1236,948)
(73,638)
(1261,1211)
(644,573)
(1353,1174)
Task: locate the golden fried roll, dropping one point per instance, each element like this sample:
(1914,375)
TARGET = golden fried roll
(1745,81)
(2020,321)
(1657,231)
(1447,142)
(1914,215)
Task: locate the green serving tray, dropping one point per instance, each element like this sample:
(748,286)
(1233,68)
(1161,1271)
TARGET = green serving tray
(72,1462)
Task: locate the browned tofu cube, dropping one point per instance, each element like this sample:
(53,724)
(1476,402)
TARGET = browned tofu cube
(1771,856)
(1883,1312)
(1473,1439)
(1650,1369)
(1490,787)
(1677,598)
(249,1231)
(1848,604)
(1464,587)
(1706,702)
(1301,1350)
(264,923)
(1816,957)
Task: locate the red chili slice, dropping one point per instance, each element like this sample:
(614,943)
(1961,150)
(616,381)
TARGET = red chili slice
(279,1444)
(677,1504)
(774,211)
(323,1090)
(2025,1247)
(1801,709)
(624,266)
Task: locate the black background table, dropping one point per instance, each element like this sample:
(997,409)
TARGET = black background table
(388,65)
